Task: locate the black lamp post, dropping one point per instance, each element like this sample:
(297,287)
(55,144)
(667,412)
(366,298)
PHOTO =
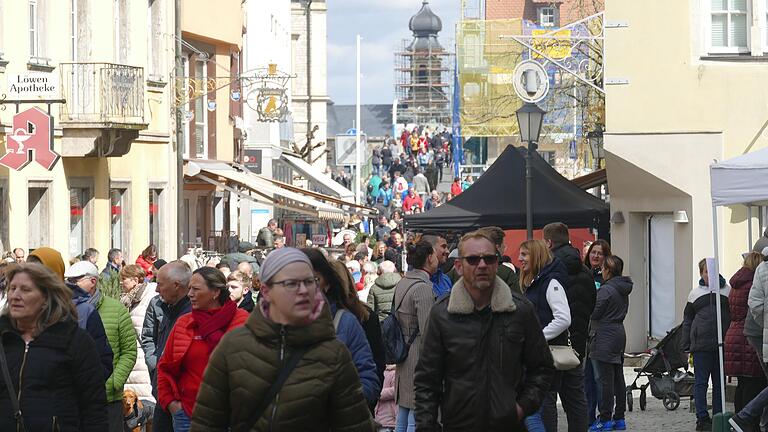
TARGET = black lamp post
(529,119)
(595,139)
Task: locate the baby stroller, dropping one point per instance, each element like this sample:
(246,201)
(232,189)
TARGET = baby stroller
(662,370)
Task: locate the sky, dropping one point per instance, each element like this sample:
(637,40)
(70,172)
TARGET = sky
(382,24)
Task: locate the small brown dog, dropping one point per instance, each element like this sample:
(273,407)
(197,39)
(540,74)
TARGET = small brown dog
(137,415)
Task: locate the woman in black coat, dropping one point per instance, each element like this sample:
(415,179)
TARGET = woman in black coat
(606,343)
(53,364)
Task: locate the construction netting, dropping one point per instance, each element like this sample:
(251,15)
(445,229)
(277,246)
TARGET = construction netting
(485,64)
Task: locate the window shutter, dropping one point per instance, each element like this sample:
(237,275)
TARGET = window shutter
(212,114)
(719,28)
(738,30)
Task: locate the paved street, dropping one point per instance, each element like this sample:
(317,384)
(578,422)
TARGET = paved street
(655,417)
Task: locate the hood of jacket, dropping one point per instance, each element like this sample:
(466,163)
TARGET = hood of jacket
(388,280)
(554,270)
(742,279)
(271,332)
(50,258)
(79,295)
(622,284)
(570,258)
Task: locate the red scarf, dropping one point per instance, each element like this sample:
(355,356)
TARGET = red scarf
(211,324)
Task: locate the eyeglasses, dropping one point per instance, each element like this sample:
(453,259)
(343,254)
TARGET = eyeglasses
(293,284)
(474,260)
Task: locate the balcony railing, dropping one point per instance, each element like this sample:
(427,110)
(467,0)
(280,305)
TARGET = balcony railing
(102,93)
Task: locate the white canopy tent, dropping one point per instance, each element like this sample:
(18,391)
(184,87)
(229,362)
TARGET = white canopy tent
(740,180)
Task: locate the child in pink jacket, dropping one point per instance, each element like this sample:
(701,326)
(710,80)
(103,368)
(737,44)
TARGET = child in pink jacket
(386,409)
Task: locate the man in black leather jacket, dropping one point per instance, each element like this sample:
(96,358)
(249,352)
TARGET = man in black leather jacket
(484,360)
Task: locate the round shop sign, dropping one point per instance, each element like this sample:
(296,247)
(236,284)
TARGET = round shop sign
(531,81)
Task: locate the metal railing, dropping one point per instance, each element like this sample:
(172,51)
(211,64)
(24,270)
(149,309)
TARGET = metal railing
(102,93)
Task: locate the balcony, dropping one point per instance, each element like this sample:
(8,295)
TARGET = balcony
(104,111)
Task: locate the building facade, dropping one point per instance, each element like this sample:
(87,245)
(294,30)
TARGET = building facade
(114,185)
(685,92)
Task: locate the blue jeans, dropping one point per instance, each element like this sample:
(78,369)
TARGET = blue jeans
(705,364)
(534,423)
(181,421)
(406,421)
(592,391)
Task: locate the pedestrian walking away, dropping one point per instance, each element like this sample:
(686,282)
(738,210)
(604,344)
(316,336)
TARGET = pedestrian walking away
(607,340)
(292,324)
(413,300)
(482,365)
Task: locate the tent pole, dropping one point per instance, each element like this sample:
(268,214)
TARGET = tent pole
(749,227)
(719,312)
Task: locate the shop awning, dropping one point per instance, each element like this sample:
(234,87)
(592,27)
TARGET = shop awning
(259,189)
(591,180)
(347,205)
(327,184)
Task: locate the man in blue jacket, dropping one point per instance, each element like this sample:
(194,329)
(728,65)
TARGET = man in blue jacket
(441,283)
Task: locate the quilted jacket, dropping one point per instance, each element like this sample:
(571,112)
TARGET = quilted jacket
(740,358)
(139,380)
(381,293)
(323,393)
(122,339)
(170,368)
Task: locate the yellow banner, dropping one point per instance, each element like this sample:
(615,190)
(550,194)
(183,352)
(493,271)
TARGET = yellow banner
(556,45)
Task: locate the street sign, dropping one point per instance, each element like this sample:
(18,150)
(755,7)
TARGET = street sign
(31,140)
(252,160)
(33,85)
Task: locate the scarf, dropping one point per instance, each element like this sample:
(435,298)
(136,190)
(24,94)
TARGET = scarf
(133,297)
(722,282)
(95,298)
(212,323)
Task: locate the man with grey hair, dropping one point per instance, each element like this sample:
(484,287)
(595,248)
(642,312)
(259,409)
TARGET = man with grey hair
(162,313)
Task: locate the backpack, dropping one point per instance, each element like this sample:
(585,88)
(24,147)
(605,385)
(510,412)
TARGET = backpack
(395,347)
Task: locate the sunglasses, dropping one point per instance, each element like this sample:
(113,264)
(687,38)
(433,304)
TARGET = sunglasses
(474,260)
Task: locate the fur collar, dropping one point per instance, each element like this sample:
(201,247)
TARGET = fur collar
(460,301)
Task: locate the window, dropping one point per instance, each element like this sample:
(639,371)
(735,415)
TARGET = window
(155,216)
(34,35)
(73,29)
(79,198)
(38,214)
(201,113)
(548,156)
(729,28)
(548,16)
(155,37)
(119,206)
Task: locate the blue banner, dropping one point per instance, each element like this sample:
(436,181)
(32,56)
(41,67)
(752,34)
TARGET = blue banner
(456,150)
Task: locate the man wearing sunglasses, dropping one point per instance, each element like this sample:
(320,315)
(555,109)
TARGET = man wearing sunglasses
(506,274)
(482,345)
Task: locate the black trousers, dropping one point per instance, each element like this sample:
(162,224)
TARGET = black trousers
(610,378)
(162,421)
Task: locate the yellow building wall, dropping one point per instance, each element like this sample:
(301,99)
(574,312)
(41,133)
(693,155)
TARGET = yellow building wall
(221,20)
(672,89)
(151,157)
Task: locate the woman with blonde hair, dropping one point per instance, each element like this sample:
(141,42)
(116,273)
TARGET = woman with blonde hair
(136,295)
(63,383)
(541,278)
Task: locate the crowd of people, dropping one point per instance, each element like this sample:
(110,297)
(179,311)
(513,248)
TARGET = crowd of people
(305,340)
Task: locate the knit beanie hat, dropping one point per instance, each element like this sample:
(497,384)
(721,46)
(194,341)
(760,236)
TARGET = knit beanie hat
(50,258)
(279,258)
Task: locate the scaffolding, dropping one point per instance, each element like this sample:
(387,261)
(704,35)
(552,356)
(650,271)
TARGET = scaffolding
(423,84)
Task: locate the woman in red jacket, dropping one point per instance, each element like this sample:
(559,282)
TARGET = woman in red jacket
(146,259)
(740,359)
(192,339)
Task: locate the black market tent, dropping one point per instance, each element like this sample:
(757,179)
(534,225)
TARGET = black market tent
(498,198)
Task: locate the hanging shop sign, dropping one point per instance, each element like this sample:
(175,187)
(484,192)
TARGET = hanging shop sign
(33,85)
(31,140)
(252,160)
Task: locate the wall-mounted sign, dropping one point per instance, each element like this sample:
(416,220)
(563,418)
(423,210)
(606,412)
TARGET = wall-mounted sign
(31,140)
(252,160)
(34,85)
(271,104)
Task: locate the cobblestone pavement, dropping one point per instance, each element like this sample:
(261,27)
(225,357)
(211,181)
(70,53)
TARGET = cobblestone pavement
(655,417)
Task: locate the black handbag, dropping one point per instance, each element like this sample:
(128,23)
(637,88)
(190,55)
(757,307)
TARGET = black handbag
(11,391)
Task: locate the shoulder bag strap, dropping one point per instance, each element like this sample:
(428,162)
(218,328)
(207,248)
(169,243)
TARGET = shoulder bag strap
(11,391)
(396,308)
(337,319)
(274,389)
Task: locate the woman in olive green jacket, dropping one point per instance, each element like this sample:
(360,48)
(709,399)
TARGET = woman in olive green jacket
(322,393)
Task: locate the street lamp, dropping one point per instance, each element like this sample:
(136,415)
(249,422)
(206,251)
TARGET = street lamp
(595,139)
(529,119)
